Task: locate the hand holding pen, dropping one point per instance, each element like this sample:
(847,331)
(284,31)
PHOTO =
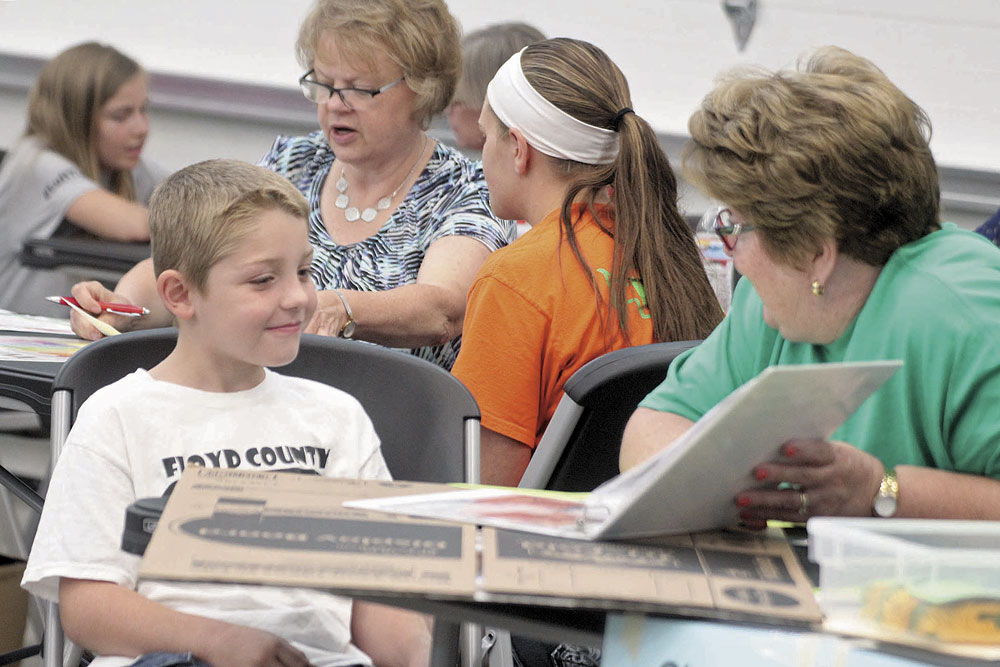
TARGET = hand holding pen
(126,309)
(98,312)
(103,327)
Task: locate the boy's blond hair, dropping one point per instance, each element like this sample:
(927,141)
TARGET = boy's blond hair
(200,213)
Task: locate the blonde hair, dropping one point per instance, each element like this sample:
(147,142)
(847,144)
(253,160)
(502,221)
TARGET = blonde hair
(484,51)
(200,213)
(420,36)
(651,238)
(65,103)
(831,149)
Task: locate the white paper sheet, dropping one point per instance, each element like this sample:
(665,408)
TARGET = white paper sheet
(690,485)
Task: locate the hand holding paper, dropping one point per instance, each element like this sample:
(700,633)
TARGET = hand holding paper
(828,479)
(690,485)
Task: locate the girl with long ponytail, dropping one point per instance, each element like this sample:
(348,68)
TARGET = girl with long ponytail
(609,263)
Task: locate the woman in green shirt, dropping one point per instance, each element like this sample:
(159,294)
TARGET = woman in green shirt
(832,219)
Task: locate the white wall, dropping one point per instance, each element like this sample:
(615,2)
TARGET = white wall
(943,54)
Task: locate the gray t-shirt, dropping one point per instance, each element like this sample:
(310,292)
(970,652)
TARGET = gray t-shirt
(37,186)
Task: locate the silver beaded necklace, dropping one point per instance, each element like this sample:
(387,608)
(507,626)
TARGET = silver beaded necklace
(351,213)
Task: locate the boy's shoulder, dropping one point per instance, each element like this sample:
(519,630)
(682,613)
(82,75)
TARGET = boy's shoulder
(304,389)
(140,392)
(134,387)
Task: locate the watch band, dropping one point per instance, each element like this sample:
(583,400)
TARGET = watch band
(347,330)
(886,498)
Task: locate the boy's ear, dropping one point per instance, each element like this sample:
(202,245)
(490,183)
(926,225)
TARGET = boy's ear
(175,293)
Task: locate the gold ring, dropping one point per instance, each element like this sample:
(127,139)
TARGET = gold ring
(803,503)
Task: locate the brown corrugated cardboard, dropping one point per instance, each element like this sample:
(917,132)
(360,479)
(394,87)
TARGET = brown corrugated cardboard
(281,529)
(13,605)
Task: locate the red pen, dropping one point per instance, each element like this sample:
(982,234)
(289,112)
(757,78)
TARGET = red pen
(116,308)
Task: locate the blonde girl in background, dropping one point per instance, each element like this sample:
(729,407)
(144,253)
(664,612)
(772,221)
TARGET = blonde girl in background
(77,169)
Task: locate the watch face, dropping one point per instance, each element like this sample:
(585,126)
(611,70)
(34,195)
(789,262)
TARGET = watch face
(348,330)
(884,505)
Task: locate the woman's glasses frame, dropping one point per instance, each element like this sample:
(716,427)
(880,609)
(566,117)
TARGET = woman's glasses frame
(727,230)
(320,93)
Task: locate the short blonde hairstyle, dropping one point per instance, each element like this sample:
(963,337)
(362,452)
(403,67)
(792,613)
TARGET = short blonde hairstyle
(420,36)
(484,51)
(832,149)
(202,212)
(65,103)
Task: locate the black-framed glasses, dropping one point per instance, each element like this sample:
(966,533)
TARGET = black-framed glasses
(354,98)
(727,230)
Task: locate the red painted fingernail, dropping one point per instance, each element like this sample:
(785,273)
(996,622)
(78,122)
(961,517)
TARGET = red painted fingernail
(791,450)
(742,501)
(760,474)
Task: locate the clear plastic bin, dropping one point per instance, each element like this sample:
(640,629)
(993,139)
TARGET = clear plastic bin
(912,576)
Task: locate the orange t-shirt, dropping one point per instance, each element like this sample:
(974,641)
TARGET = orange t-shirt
(532,320)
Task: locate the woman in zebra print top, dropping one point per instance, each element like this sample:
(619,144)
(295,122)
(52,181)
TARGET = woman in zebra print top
(400,224)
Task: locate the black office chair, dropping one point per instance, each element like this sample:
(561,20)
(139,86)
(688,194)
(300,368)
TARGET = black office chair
(420,412)
(579,449)
(580,446)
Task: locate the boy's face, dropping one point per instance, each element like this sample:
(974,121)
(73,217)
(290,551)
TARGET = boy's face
(259,298)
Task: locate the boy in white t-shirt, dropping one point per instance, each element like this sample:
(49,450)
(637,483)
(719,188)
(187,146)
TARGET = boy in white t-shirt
(231,255)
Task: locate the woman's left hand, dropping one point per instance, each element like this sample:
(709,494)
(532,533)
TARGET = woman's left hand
(330,316)
(825,479)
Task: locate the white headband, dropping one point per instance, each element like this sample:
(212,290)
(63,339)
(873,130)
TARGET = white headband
(545,126)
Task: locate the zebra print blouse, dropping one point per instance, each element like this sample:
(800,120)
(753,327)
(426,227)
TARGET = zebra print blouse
(449,198)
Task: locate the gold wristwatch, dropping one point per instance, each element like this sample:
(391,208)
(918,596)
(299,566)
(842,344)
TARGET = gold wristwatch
(887,498)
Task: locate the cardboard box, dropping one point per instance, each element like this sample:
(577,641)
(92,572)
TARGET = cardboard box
(13,605)
(281,529)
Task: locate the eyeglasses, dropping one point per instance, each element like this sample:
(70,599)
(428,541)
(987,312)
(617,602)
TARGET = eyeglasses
(356,99)
(727,230)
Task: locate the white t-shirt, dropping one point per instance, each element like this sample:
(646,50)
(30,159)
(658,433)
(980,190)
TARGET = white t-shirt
(132,440)
(37,187)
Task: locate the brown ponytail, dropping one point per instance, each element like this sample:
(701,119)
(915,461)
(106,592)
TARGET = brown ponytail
(651,238)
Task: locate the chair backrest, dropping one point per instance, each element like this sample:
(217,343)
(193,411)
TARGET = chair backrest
(427,420)
(579,449)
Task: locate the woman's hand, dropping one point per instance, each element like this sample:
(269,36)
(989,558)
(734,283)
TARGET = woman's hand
(87,294)
(427,312)
(825,479)
(330,316)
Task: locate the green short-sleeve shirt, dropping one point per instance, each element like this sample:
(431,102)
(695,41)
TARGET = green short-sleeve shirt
(936,306)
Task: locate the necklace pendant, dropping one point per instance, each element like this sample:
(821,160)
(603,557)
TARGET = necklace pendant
(368,214)
(342,201)
(352,214)
(342,184)
(383,203)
